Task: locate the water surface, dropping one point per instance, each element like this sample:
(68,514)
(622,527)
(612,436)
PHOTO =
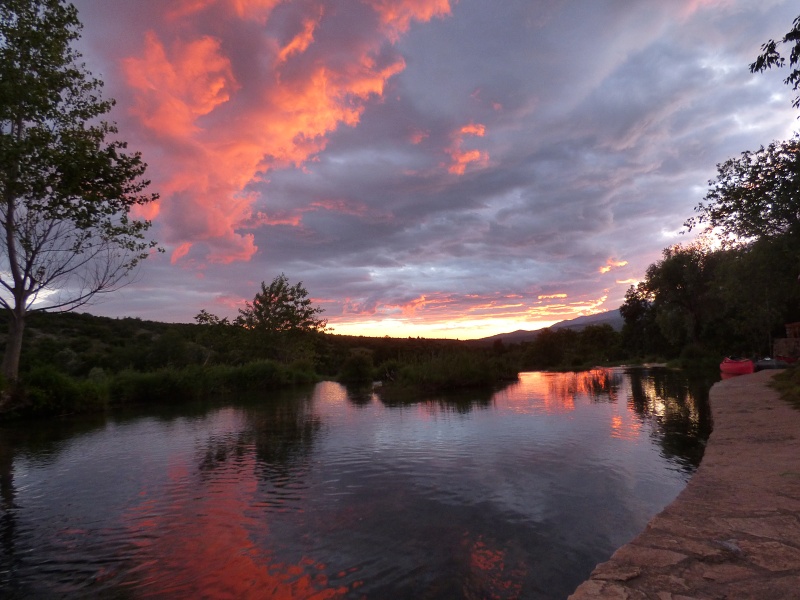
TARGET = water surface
(327,492)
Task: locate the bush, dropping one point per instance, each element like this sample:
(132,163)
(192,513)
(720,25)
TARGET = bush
(449,370)
(46,391)
(787,383)
(196,382)
(358,368)
(132,387)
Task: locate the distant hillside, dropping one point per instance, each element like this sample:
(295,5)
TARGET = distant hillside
(612,317)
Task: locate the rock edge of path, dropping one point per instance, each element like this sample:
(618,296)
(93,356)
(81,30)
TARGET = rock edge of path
(734,531)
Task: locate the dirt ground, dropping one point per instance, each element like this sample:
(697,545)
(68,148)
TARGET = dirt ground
(734,532)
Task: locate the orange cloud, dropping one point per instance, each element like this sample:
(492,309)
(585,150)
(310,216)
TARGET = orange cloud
(301,41)
(253,9)
(461,158)
(425,303)
(229,301)
(417,136)
(463,316)
(612,264)
(173,90)
(294,218)
(398,14)
(180,252)
(222,133)
(451,308)
(281,218)
(342,206)
(474,129)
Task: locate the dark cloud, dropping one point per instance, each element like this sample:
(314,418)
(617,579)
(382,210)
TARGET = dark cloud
(423,168)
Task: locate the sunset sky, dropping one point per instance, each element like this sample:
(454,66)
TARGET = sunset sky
(441,168)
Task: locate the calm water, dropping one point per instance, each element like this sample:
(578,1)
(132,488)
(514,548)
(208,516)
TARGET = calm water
(330,493)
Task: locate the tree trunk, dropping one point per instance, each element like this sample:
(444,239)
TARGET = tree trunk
(16,327)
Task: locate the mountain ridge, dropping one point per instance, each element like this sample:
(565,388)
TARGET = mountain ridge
(611,317)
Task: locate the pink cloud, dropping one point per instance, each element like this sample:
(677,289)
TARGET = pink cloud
(252,9)
(219,124)
(612,263)
(461,158)
(174,89)
(418,136)
(693,6)
(294,217)
(398,14)
(342,206)
(180,252)
(301,41)
(454,311)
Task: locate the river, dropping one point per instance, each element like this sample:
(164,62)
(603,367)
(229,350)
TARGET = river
(328,492)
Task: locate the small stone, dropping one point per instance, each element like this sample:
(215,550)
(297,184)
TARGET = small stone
(614,573)
(726,573)
(587,590)
(648,557)
(730,546)
(773,556)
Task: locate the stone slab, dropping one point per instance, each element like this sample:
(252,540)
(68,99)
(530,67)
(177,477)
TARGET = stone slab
(734,532)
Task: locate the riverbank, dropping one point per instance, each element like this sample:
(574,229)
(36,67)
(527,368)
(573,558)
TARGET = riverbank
(734,532)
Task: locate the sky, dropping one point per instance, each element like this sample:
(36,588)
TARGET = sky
(434,168)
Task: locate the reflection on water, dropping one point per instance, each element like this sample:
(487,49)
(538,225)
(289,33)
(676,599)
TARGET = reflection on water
(341,492)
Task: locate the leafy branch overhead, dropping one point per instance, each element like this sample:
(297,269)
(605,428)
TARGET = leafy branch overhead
(770,57)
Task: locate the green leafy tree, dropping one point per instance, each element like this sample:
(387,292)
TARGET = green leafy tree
(279,323)
(754,195)
(551,348)
(679,284)
(66,192)
(599,343)
(640,333)
(757,291)
(224,342)
(770,57)
(281,308)
(675,303)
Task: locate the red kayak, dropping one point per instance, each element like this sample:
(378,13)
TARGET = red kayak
(734,366)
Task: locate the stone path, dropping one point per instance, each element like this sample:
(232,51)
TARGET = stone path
(734,532)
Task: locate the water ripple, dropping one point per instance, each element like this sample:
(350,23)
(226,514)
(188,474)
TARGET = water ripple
(303,497)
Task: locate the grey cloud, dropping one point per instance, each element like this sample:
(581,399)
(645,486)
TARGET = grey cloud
(604,121)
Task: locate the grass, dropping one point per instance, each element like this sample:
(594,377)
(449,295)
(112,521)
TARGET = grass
(447,370)
(197,382)
(787,383)
(46,391)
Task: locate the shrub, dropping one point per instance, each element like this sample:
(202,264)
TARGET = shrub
(157,386)
(358,367)
(196,382)
(46,391)
(449,370)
